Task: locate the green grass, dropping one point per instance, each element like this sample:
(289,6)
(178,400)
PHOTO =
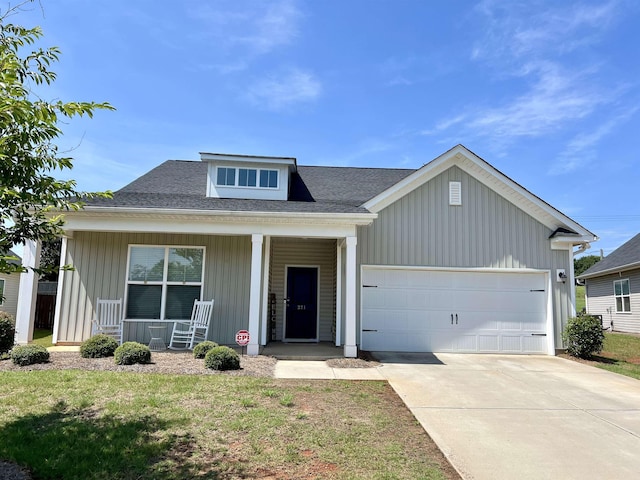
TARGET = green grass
(580,300)
(113,425)
(42,337)
(620,354)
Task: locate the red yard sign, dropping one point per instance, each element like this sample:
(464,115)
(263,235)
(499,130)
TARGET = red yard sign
(242,337)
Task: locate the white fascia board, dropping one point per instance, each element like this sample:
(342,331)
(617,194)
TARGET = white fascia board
(609,271)
(221,157)
(567,243)
(232,223)
(489,176)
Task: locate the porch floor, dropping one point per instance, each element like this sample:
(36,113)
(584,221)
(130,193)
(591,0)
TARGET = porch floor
(302,351)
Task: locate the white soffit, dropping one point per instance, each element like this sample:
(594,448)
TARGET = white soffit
(486,174)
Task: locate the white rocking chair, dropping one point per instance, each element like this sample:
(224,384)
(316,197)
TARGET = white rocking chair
(187,335)
(108,319)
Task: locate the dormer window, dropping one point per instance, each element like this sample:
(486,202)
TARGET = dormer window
(246,177)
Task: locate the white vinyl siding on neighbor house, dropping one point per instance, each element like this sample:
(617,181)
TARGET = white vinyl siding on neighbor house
(101,271)
(10,284)
(601,300)
(486,231)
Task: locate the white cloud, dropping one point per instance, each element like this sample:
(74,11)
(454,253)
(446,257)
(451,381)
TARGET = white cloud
(245,30)
(579,152)
(282,91)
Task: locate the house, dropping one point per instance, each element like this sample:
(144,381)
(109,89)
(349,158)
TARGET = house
(613,288)
(451,257)
(9,287)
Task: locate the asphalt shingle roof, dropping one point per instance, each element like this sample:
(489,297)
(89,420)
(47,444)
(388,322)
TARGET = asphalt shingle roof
(182,184)
(626,254)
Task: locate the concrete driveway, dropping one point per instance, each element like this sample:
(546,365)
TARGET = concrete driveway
(522,417)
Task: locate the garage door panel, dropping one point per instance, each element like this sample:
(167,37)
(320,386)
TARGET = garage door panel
(495,311)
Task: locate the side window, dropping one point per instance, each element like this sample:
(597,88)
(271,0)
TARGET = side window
(1,291)
(247,177)
(622,291)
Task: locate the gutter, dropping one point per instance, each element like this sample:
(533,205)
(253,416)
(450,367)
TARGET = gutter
(609,271)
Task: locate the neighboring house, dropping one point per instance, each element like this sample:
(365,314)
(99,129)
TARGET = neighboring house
(451,257)
(9,287)
(613,288)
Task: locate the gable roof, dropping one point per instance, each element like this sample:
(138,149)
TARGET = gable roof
(182,184)
(625,257)
(565,229)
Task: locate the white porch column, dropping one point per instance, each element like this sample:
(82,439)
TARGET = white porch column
(265,290)
(254,294)
(61,275)
(25,314)
(350,348)
(339,245)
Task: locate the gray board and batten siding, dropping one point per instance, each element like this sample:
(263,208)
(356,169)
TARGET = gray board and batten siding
(486,231)
(100,261)
(601,301)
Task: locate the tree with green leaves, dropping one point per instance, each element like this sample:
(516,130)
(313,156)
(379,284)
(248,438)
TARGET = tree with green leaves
(582,264)
(32,199)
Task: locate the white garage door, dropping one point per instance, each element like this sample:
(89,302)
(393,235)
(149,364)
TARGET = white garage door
(414,310)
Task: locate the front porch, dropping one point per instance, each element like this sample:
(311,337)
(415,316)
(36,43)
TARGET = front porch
(302,351)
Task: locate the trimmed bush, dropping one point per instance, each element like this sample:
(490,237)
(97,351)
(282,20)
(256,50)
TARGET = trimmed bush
(583,336)
(222,358)
(7,331)
(132,352)
(201,349)
(98,346)
(29,354)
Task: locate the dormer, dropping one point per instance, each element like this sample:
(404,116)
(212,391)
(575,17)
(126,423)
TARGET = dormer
(248,177)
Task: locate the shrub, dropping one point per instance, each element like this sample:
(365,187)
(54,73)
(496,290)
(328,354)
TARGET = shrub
(98,346)
(29,354)
(201,349)
(583,336)
(7,331)
(222,358)
(132,352)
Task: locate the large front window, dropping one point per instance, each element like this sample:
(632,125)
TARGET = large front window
(163,282)
(621,291)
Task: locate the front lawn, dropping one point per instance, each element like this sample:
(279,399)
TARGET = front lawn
(621,354)
(75,424)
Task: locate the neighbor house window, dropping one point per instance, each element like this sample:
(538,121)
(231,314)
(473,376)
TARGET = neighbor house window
(246,177)
(163,282)
(1,291)
(622,293)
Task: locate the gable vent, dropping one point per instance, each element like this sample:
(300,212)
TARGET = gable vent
(455,193)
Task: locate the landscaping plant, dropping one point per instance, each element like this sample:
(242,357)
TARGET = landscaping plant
(130,353)
(29,354)
(98,346)
(7,332)
(583,336)
(222,358)
(201,349)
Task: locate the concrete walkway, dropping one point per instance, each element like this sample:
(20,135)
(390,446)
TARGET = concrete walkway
(507,417)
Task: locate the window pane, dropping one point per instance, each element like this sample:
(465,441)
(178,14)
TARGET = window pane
(618,304)
(231,176)
(246,177)
(222,176)
(143,301)
(226,176)
(627,304)
(617,287)
(251,181)
(242,177)
(180,301)
(269,178)
(146,264)
(185,265)
(625,287)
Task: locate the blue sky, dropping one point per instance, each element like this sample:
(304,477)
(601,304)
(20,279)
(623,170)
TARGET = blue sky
(548,92)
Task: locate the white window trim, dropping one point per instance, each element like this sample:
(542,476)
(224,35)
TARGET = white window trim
(164,283)
(237,178)
(4,285)
(622,295)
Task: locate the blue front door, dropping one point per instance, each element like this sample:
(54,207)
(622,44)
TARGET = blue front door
(302,303)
